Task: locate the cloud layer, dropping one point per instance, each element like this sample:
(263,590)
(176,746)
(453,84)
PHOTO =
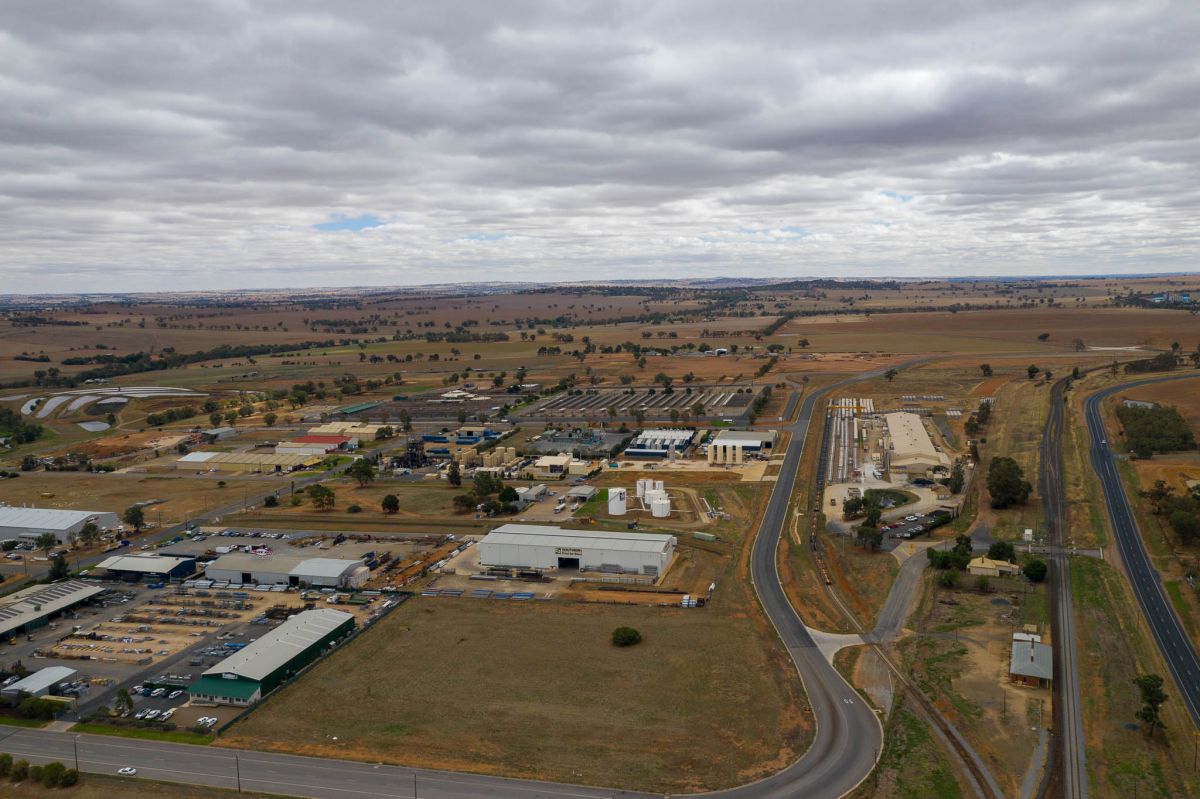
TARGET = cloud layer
(225,144)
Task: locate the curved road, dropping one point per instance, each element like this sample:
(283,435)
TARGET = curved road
(848,740)
(1172,640)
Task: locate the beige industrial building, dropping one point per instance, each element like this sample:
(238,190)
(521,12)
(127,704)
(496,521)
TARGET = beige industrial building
(557,467)
(732,446)
(246,462)
(360,430)
(910,450)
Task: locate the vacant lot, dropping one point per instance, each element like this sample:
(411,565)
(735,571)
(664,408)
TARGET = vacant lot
(960,660)
(538,690)
(185,496)
(1114,648)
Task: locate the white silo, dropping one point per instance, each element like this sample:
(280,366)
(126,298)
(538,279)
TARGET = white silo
(616,502)
(658,485)
(660,508)
(641,488)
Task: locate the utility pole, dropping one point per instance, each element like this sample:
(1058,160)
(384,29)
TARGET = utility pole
(75,742)
(237,765)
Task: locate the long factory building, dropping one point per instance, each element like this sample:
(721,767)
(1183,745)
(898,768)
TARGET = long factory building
(27,524)
(545,548)
(249,674)
(294,570)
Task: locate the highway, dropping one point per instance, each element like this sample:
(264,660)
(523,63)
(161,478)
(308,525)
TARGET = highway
(845,748)
(1069,770)
(1172,640)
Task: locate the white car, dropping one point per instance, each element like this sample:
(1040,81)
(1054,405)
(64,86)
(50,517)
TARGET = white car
(128,771)
(151,715)
(175,695)
(910,518)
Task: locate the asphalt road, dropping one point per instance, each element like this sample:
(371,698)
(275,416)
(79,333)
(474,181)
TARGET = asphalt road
(1172,640)
(847,743)
(1069,775)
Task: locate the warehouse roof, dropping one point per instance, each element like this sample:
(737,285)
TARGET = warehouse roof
(216,686)
(280,563)
(276,648)
(321,439)
(47,518)
(746,437)
(145,564)
(1032,660)
(249,458)
(324,567)
(33,603)
(545,536)
(41,680)
(908,434)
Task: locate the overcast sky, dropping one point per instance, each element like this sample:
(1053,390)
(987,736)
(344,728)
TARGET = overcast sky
(163,145)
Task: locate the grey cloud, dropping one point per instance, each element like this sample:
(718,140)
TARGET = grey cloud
(195,145)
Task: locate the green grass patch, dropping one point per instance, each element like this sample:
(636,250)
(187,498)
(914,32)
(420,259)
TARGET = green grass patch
(1175,591)
(143,734)
(17,721)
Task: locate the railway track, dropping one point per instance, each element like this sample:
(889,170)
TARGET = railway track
(1068,760)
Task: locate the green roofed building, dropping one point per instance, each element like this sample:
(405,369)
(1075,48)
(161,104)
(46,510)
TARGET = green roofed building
(249,674)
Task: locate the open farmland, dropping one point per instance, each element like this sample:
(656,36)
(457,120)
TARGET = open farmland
(703,702)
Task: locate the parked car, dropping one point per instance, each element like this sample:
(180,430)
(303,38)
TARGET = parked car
(174,694)
(128,771)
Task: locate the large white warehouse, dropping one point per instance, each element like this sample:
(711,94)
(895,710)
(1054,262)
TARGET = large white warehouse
(288,570)
(531,546)
(29,523)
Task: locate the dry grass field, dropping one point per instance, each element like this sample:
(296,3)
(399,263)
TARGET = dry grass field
(186,496)
(538,690)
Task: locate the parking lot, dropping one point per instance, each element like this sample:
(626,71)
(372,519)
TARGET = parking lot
(915,525)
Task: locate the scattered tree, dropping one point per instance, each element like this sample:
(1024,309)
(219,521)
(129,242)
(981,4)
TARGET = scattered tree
(1035,570)
(1006,483)
(454,474)
(1002,550)
(626,636)
(390,503)
(322,497)
(134,516)
(361,470)
(1153,697)
(986,368)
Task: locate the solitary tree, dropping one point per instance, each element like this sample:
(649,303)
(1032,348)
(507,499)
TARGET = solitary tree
(362,470)
(88,534)
(135,517)
(58,568)
(1006,483)
(1035,570)
(322,497)
(390,503)
(890,375)
(1153,697)
(1032,370)
(626,636)
(47,542)
(454,474)
(986,368)
(1043,336)
(269,418)
(124,701)
(1002,550)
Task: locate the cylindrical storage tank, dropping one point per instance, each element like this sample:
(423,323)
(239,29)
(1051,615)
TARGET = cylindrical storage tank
(616,502)
(660,508)
(641,488)
(658,485)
